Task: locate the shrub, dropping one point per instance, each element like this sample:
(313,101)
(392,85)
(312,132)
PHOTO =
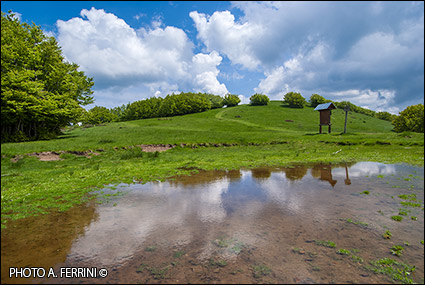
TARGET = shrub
(231,100)
(410,119)
(316,99)
(294,100)
(259,99)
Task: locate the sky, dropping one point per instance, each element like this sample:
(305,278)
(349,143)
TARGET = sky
(368,53)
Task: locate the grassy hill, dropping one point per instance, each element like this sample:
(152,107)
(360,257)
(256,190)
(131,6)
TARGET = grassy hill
(241,125)
(229,138)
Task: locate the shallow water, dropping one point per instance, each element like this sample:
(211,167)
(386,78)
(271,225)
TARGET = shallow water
(241,226)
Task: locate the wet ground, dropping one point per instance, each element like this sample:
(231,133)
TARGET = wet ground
(305,224)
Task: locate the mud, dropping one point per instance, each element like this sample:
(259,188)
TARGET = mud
(242,226)
(55,155)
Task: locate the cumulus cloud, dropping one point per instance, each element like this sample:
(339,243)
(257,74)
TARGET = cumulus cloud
(153,60)
(220,32)
(205,66)
(374,48)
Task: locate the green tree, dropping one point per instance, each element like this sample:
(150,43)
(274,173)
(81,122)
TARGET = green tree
(40,91)
(231,100)
(316,99)
(410,119)
(385,116)
(216,100)
(98,115)
(259,99)
(294,100)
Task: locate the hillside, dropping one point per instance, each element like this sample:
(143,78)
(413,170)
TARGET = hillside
(241,125)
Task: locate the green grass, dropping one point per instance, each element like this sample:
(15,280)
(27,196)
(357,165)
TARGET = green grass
(397,218)
(260,270)
(387,234)
(356,222)
(259,137)
(150,248)
(327,243)
(397,271)
(343,251)
(397,250)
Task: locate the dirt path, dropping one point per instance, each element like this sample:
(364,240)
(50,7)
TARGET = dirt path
(219,116)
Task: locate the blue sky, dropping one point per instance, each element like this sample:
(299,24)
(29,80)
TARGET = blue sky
(370,53)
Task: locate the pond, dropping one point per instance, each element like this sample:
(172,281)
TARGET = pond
(323,223)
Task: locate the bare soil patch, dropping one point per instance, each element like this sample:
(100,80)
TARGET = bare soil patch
(54,155)
(153,148)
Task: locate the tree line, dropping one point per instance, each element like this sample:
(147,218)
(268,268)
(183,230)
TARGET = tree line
(156,107)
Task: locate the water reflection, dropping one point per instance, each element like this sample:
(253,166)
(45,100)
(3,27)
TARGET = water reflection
(261,173)
(209,198)
(323,172)
(267,209)
(42,241)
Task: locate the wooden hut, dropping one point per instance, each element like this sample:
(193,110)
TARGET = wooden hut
(325,115)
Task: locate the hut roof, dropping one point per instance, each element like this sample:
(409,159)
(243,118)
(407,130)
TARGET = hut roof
(325,106)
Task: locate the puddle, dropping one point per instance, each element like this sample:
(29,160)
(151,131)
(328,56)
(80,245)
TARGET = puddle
(241,226)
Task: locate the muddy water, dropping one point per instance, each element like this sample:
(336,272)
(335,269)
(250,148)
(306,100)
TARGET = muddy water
(241,226)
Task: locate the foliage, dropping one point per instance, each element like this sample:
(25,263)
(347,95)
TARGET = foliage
(410,119)
(231,100)
(316,99)
(216,100)
(385,116)
(259,99)
(294,100)
(171,105)
(183,103)
(98,115)
(40,91)
(143,109)
(354,108)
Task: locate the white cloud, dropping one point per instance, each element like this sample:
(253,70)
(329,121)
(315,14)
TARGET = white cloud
(152,59)
(379,100)
(139,16)
(325,48)
(205,66)
(220,32)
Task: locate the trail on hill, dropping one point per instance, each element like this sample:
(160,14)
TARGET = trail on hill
(219,116)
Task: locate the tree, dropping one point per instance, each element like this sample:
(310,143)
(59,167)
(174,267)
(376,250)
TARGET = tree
(294,100)
(385,116)
(216,100)
(231,100)
(316,99)
(259,99)
(410,119)
(99,115)
(40,91)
